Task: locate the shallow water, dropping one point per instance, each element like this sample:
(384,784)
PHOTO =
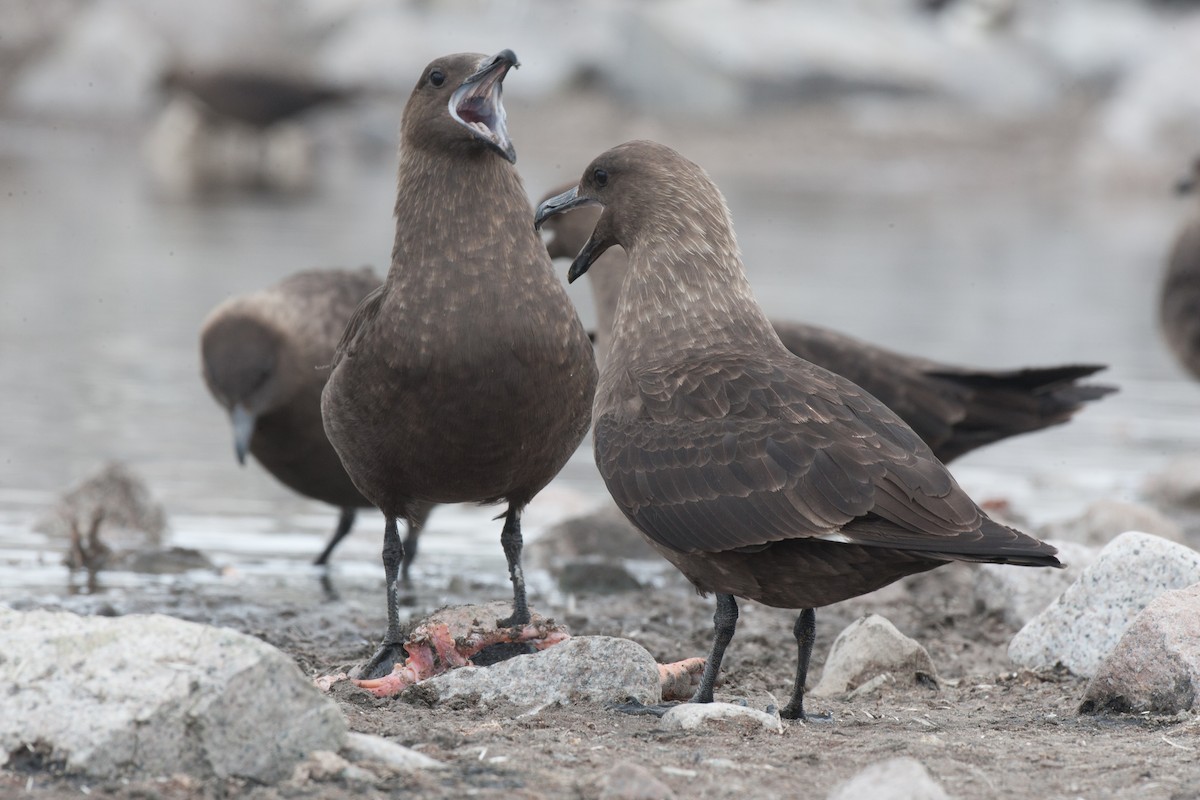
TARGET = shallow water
(103,286)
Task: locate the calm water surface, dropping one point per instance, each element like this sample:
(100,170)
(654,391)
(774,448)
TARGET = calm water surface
(103,287)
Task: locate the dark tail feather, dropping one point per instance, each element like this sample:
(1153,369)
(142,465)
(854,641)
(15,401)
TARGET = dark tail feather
(1007,403)
(992,543)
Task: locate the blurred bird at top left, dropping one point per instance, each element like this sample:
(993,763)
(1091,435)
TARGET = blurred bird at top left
(237,128)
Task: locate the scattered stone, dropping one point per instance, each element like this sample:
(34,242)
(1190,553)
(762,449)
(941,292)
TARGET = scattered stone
(1104,520)
(583,669)
(163,561)
(895,779)
(145,696)
(587,576)
(1156,665)
(114,503)
(689,716)
(1084,624)
(322,765)
(869,647)
(604,533)
(872,686)
(633,782)
(364,747)
(1178,484)
(1020,594)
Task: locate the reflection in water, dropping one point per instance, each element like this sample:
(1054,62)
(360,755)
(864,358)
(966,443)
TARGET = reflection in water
(103,289)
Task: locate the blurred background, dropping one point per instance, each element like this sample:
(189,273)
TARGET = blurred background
(983,182)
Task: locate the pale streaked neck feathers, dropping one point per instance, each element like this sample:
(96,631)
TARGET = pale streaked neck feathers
(479,187)
(687,286)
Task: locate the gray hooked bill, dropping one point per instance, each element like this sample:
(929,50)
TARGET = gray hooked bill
(559,204)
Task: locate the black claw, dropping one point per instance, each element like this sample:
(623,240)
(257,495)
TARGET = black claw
(383,662)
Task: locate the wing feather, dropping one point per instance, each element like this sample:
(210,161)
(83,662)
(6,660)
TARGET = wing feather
(739,452)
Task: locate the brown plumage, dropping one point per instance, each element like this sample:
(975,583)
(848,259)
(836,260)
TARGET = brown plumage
(254,98)
(466,377)
(1179,302)
(955,410)
(262,356)
(756,473)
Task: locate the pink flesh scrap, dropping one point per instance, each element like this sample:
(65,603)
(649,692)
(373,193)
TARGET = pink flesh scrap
(450,637)
(679,679)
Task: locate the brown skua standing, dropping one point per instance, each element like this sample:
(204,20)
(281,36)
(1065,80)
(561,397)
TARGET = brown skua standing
(756,473)
(262,356)
(466,377)
(954,409)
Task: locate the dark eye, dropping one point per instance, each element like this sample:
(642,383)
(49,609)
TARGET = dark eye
(600,177)
(437,77)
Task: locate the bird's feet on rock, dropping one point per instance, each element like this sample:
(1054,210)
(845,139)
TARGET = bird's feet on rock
(450,637)
(385,658)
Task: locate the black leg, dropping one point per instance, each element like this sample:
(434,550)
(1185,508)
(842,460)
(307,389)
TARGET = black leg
(805,632)
(510,539)
(391,650)
(724,624)
(416,523)
(345,523)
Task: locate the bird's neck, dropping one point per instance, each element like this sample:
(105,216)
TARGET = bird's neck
(684,299)
(468,210)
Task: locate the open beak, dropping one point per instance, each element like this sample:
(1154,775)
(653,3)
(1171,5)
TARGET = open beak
(243,431)
(476,104)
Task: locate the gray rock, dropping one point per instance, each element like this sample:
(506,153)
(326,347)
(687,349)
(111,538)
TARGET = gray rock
(604,533)
(583,669)
(633,782)
(1084,624)
(322,765)
(1153,114)
(895,779)
(101,64)
(144,696)
(162,561)
(364,747)
(1156,665)
(1105,520)
(689,716)
(869,647)
(586,576)
(1019,594)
